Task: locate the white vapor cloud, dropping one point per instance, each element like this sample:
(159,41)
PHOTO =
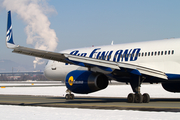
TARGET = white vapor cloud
(33,13)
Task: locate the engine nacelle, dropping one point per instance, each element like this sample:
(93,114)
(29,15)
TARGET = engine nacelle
(84,82)
(172,87)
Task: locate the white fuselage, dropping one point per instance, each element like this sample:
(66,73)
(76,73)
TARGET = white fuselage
(162,55)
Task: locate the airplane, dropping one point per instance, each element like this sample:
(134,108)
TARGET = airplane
(87,70)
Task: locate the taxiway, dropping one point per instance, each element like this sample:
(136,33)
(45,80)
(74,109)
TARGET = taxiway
(156,104)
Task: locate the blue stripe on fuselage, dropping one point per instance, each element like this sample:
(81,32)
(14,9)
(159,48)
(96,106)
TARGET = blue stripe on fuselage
(173,76)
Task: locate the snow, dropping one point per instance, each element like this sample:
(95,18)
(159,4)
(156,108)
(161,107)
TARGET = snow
(154,90)
(44,113)
(47,113)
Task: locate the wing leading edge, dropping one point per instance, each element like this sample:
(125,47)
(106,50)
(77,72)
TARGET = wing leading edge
(77,60)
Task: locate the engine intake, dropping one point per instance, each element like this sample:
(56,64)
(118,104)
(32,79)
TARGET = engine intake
(84,82)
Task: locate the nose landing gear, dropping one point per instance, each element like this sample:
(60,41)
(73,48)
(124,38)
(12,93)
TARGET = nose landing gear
(69,96)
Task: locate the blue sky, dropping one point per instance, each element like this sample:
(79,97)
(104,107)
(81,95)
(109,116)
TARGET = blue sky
(83,23)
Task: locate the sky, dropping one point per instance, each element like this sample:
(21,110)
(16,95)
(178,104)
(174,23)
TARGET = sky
(83,23)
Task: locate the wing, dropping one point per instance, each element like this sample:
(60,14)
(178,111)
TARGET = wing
(78,60)
(88,62)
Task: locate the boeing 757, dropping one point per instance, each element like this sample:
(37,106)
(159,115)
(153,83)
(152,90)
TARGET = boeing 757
(87,70)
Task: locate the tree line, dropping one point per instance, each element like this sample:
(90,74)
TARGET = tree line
(40,77)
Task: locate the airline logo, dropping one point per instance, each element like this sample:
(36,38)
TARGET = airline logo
(9,35)
(117,56)
(71,80)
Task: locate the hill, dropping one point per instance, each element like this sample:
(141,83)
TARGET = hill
(9,65)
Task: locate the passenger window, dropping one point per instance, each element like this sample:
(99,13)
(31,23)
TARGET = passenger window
(132,55)
(169,52)
(115,56)
(142,54)
(161,52)
(136,54)
(139,54)
(107,57)
(165,52)
(151,53)
(145,53)
(172,52)
(158,52)
(148,53)
(155,53)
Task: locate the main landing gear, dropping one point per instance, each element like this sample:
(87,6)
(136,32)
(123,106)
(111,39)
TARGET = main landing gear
(137,97)
(69,96)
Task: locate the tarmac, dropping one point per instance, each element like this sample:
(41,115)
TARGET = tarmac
(112,103)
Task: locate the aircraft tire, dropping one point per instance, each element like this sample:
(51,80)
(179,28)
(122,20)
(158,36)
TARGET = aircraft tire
(146,98)
(131,98)
(138,98)
(71,96)
(67,96)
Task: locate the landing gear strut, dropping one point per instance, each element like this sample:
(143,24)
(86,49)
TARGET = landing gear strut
(137,97)
(69,96)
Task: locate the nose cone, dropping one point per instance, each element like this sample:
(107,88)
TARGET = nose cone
(54,72)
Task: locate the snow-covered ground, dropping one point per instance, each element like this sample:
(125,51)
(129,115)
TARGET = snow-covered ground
(46,113)
(154,90)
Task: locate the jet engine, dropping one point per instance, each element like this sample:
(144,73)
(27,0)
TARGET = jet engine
(84,82)
(172,86)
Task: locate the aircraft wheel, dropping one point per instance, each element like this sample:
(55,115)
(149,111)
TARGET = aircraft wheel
(131,98)
(67,96)
(71,96)
(146,98)
(138,98)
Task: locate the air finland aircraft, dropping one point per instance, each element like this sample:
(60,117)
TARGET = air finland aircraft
(87,70)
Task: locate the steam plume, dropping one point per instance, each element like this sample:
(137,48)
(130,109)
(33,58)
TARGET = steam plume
(38,29)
